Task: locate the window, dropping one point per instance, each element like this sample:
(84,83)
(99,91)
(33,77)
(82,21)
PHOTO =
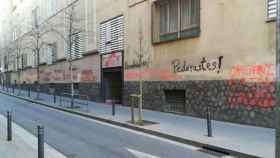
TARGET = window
(175,19)
(51,53)
(51,7)
(175,101)
(112,35)
(43,55)
(6,63)
(77,48)
(35,59)
(35,18)
(23,60)
(271,9)
(14,34)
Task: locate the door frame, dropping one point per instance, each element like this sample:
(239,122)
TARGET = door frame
(113,69)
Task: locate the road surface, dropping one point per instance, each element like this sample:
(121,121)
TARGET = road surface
(79,137)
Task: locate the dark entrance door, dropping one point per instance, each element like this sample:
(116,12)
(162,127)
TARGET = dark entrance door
(112,84)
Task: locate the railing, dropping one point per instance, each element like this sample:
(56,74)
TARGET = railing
(78,99)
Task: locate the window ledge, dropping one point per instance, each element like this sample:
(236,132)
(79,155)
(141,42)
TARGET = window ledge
(268,20)
(190,34)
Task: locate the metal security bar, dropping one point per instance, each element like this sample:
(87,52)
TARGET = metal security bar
(79,99)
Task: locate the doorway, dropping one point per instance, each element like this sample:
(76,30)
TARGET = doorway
(112,85)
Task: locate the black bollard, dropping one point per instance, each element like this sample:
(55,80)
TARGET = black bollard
(54,98)
(113,108)
(9,126)
(28,91)
(41,152)
(132,110)
(209,123)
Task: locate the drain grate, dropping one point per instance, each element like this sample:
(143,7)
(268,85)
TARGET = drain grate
(213,152)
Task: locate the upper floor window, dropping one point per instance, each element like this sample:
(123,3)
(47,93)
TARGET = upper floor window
(271,9)
(23,60)
(14,33)
(112,35)
(175,19)
(34,17)
(77,46)
(51,7)
(51,53)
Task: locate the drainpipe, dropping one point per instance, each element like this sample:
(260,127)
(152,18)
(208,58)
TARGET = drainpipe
(277,108)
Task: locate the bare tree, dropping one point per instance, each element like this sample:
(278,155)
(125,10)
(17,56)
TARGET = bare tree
(74,25)
(7,51)
(142,60)
(34,41)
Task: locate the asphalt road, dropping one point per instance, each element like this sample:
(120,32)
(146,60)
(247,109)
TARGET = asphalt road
(77,137)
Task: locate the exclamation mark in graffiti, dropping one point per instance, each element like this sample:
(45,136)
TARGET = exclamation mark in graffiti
(220,63)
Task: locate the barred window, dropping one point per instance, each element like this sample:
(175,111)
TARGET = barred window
(175,19)
(271,8)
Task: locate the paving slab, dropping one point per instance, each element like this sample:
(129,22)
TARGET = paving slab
(23,145)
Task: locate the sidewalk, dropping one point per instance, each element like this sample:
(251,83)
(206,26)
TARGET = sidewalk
(24,144)
(249,140)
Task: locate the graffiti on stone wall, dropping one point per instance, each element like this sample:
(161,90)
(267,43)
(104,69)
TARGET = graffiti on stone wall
(204,65)
(86,75)
(136,64)
(255,86)
(160,74)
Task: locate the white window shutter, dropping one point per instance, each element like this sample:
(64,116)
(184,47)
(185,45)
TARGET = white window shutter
(271,8)
(112,35)
(78,46)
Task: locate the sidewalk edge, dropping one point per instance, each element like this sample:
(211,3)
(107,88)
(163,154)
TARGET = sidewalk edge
(137,128)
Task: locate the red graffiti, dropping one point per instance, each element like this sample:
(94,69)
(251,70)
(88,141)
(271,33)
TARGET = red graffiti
(258,73)
(252,86)
(112,60)
(60,75)
(87,75)
(160,74)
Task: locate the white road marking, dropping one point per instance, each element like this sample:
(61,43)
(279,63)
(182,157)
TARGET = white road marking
(228,157)
(139,154)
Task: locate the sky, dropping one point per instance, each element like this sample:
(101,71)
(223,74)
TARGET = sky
(3,8)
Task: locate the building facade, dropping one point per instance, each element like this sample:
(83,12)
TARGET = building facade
(189,55)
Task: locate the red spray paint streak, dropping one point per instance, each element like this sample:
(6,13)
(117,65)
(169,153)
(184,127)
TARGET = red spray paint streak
(60,75)
(256,87)
(160,74)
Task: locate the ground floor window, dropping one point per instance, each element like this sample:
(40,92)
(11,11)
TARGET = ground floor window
(175,101)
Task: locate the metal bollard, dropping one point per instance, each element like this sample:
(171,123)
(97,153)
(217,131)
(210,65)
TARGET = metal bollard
(54,98)
(209,123)
(41,152)
(9,126)
(28,92)
(13,89)
(132,111)
(113,108)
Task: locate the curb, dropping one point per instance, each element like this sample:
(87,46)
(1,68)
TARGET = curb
(137,128)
